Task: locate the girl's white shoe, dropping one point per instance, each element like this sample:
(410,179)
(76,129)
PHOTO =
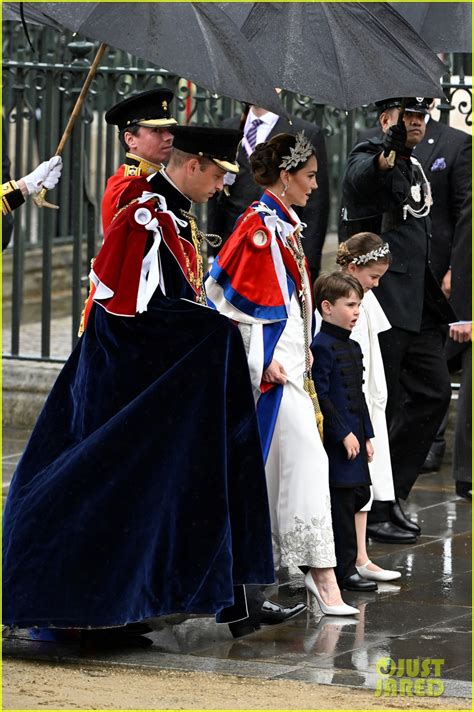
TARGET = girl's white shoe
(311,588)
(383,575)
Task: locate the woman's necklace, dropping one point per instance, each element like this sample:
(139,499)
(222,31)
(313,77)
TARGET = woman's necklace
(296,248)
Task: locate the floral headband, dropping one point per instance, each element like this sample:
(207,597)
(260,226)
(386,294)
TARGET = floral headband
(299,154)
(373,255)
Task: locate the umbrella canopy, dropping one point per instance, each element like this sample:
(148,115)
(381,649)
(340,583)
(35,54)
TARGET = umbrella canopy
(32,15)
(445,26)
(340,53)
(197,41)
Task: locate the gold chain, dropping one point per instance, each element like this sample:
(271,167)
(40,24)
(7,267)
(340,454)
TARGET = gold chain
(124,207)
(196,279)
(82,324)
(296,249)
(198,237)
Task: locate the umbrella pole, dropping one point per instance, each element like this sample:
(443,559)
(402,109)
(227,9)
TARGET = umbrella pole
(39,199)
(392,156)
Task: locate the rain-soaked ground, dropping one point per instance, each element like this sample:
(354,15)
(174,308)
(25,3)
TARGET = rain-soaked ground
(425,616)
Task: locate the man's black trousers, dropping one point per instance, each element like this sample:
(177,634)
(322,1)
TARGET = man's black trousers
(419,391)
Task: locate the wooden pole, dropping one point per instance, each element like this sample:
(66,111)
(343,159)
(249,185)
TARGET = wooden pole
(39,199)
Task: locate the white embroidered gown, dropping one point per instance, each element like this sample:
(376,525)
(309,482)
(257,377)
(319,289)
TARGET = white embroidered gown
(297,466)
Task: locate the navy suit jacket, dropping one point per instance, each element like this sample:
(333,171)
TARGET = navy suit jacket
(338,375)
(446,154)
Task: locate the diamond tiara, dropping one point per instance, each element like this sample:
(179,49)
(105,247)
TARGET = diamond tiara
(373,255)
(299,154)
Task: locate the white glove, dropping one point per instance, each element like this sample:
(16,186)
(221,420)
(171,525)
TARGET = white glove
(46,175)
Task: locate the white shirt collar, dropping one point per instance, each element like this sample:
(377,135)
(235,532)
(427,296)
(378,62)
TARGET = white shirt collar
(165,175)
(268,118)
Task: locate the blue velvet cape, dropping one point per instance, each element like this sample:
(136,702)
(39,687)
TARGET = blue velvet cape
(142,489)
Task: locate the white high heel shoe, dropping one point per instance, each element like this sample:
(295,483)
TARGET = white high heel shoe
(384,575)
(311,588)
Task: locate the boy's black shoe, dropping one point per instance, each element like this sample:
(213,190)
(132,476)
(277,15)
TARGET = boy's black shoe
(357,583)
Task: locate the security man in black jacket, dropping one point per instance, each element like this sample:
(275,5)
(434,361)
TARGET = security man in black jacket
(415,368)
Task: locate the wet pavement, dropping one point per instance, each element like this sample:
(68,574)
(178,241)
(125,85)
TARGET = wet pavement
(425,615)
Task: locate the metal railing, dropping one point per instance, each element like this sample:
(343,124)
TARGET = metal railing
(39,91)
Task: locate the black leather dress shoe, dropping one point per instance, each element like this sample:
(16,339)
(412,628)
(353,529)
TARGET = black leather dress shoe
(357,583)
(400,519)
(273,613)
(270,614)
(241,628)
(389,533)
(464,489)
(434,458)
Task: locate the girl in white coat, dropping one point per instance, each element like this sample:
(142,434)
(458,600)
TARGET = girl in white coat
(366,257)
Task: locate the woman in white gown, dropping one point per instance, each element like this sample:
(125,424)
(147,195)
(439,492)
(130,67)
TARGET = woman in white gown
(260,279)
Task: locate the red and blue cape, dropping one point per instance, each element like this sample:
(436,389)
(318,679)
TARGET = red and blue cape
(252,281)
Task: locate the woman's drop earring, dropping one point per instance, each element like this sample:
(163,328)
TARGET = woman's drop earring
(285,188)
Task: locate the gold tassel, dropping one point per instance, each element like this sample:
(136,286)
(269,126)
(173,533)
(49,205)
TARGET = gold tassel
(319,423)
(82,324)
(310,389)
(308,383)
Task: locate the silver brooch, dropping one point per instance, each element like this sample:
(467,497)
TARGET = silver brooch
(299,154)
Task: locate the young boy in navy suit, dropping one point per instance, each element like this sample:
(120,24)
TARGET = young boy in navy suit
(338,375)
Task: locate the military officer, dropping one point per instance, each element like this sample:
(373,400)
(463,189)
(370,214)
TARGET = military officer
(144,123)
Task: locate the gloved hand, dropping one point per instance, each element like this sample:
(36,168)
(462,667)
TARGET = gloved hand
(46,175)
(395,140)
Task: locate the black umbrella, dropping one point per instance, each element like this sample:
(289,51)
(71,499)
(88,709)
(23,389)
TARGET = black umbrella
(195,40)
(445,26)
(340,53)
(17,11)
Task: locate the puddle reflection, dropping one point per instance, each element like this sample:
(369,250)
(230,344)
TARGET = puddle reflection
(447,557)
